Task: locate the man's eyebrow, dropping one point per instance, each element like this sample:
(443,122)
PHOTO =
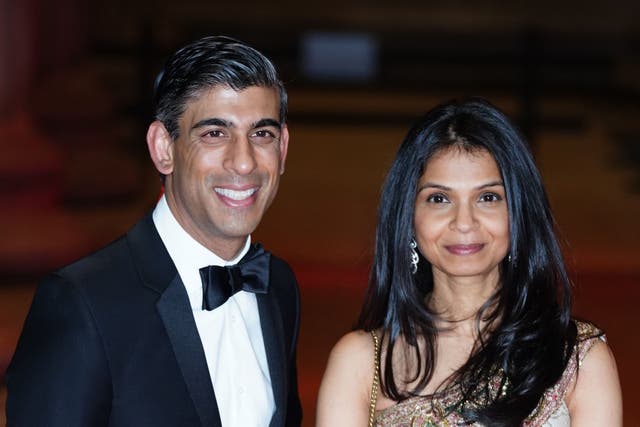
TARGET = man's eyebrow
(266,122)
(214,121)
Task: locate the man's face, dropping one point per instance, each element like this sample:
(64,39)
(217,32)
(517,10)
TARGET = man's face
(226,165)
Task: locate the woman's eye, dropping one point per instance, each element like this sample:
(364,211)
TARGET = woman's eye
(437,198)
(490,197)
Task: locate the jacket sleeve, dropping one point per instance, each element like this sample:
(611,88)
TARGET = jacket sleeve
(59,375)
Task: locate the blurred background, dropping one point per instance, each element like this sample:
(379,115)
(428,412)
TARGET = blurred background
(75,99)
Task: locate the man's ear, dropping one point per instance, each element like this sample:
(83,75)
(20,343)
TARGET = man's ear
(284,146)
(160,147)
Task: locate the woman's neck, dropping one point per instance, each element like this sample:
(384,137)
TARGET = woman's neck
(457,300)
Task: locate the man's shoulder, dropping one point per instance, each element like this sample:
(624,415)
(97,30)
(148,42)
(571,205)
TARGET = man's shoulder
(281,266)
(108,263)
(283,282)
(282,274)
(98,262)
(115,276)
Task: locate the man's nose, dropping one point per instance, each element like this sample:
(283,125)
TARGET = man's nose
(240,157)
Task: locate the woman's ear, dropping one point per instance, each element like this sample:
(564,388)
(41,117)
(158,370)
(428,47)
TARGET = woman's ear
(160,147)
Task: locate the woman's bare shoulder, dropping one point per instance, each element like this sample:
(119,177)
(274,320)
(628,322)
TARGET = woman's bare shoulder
(355,345)
(345,390)
(596,397)
(352,357)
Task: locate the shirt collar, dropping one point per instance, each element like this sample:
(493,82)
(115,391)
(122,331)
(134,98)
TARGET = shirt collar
(188,255)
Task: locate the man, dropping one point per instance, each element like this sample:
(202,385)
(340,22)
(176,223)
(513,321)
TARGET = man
(151,331)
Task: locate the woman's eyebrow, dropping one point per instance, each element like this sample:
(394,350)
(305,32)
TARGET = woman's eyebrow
(445,188)
(490,184)
(434,185)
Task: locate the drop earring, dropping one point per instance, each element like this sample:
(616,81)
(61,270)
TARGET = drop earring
(414,256)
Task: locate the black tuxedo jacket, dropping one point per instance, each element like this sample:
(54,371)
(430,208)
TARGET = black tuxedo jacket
(111,341)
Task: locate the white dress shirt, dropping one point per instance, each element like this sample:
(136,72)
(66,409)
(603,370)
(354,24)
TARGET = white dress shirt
(231,334)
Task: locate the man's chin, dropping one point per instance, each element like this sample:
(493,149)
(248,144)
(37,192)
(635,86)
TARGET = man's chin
(241,230)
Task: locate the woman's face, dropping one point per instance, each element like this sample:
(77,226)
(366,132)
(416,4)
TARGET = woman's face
(461,219)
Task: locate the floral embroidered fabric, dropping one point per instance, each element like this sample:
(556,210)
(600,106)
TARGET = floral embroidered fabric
(435,410)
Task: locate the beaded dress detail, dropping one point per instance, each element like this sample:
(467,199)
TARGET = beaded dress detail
(437,410)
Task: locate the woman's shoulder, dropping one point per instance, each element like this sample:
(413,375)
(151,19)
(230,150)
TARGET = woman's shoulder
(354,340)
(589,338)
(595,394)
(356,349)
(344,395)
(586,330)
(589,374)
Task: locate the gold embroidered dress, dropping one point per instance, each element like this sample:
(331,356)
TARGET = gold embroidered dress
(552,411)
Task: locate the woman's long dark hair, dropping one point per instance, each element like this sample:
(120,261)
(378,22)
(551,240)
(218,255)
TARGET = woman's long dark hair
(531,329)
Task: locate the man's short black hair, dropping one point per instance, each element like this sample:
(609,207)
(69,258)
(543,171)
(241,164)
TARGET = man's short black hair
(208,62)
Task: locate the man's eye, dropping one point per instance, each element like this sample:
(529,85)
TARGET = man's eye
(263,136)
(263,133)
(215,133)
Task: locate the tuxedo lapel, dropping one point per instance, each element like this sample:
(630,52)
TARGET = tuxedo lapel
(176,314)
(159,273)
(273,335)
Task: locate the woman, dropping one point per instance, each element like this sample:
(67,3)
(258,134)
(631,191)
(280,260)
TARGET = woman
(467,316)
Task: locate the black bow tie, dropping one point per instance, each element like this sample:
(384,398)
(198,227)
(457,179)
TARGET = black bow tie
(251,274)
